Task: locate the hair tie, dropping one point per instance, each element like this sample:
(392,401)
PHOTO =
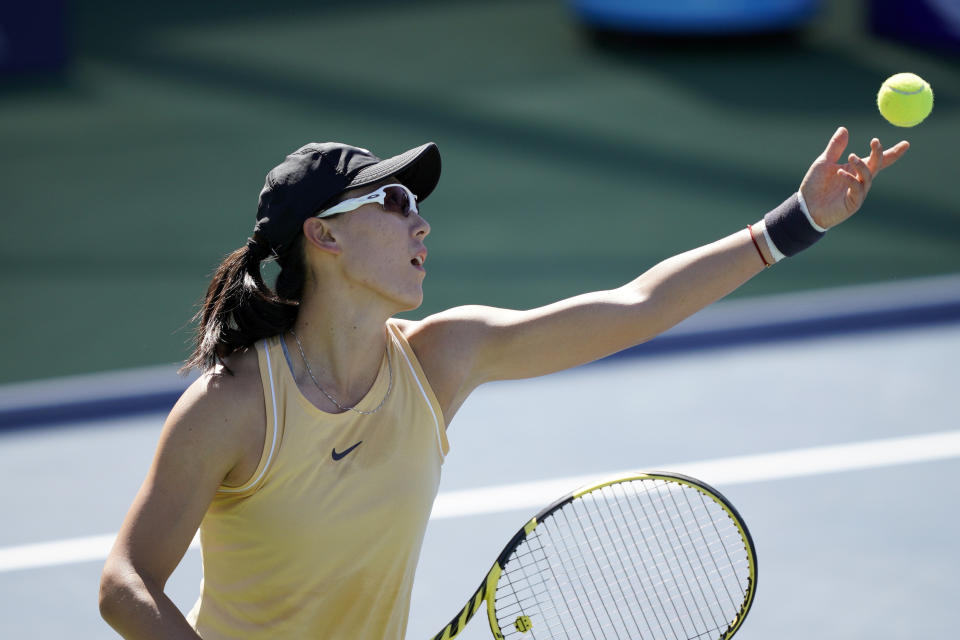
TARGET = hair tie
(258,248)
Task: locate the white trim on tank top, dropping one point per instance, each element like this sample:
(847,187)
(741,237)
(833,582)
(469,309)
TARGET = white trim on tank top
(436,422)
(273,444)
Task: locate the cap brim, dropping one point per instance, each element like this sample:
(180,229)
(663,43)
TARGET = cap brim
(418,169)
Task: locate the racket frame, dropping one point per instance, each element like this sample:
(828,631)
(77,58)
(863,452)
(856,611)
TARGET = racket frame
(487,590)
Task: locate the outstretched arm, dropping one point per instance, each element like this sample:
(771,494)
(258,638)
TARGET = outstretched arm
(464,347)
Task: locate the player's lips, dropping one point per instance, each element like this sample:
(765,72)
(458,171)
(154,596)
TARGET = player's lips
(418,260)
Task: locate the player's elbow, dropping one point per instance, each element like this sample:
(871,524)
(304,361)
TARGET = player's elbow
(117,591)
(641,312)
(112,588)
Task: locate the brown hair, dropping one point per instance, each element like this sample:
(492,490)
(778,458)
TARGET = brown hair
(240,308)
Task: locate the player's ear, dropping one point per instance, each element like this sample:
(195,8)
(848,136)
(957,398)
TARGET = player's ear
(320,234)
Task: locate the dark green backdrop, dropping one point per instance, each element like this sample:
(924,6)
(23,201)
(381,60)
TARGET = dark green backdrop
(568,164)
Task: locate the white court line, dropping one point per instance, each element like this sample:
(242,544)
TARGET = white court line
(535,495)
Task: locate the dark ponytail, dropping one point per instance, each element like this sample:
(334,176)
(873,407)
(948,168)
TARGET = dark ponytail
(240,308)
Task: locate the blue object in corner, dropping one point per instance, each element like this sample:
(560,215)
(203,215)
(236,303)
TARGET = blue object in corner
(695,17)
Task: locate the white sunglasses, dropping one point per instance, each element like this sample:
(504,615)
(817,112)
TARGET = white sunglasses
(394,198)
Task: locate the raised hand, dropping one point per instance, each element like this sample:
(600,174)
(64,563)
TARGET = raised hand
(834,192)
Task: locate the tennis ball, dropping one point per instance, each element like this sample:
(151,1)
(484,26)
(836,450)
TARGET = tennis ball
(905,99)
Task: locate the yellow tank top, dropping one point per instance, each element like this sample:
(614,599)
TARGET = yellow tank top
(324,539)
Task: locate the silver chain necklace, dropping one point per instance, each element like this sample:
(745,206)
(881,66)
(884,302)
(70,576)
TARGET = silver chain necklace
(331,398)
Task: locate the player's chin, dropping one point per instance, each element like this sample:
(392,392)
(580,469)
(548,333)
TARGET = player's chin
(411,300)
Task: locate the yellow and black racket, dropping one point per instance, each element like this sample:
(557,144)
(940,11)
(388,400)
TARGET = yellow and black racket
(652,555)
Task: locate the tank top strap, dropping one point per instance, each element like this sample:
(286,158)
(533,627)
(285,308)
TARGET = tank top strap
(409,364)
(270,357)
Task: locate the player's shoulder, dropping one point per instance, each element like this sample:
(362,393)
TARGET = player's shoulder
(446,341)
(228,383)
(447,345)
(454,319)
(457,329)
(228,397)
(220,420)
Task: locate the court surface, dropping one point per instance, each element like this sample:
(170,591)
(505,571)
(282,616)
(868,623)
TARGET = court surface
(842,452)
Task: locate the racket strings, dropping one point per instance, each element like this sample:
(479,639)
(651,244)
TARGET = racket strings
(608,598)
(535,582)
(660,562)
(639,559)
(528,606)
(660,559)
(621,563)
(686,560)
(731,598)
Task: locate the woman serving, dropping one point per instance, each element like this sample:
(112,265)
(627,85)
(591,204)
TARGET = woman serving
(309,451)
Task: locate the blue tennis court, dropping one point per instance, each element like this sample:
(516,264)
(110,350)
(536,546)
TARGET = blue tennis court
(840,448)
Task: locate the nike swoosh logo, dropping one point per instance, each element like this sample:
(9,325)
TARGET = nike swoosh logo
(338,456)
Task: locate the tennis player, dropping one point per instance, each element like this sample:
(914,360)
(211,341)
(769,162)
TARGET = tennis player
(309,451)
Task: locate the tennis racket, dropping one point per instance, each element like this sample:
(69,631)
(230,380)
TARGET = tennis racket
(653,556)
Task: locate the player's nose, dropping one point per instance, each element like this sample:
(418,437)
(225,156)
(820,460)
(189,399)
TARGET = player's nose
(421,228)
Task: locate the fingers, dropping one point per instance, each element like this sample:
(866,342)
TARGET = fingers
(875,160)
(858,181)
(895,153)
(836,145)
(858,173)
(863,173)
(854,183)
(878,158)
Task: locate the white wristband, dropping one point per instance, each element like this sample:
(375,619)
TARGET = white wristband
(806,212)
(777,255)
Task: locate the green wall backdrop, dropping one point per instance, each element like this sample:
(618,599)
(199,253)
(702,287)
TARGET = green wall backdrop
(569,163)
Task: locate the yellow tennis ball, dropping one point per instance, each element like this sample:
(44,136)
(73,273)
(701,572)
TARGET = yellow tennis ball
(905,99)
